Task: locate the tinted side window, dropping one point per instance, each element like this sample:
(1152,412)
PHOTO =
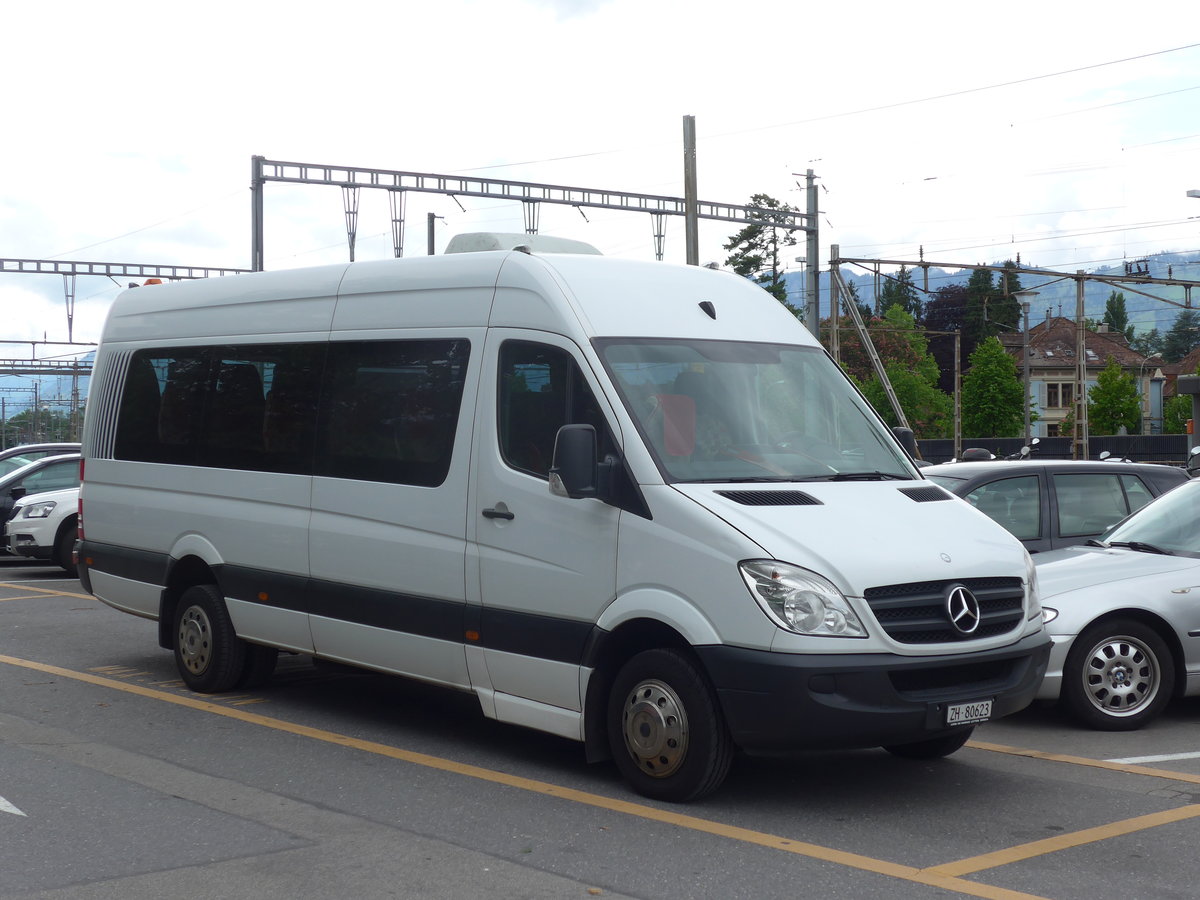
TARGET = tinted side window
(1136,492)
(54,477)
(1013,502)
(390,409)
(542,389)
(1088,504)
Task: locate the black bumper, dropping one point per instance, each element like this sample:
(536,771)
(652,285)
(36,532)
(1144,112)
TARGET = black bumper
(776,703)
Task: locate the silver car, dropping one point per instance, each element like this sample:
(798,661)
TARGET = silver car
(1123,612)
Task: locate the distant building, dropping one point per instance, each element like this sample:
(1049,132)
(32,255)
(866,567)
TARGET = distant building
(1053,376)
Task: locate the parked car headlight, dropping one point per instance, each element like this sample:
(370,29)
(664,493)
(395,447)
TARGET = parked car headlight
(799,600)
(37,510)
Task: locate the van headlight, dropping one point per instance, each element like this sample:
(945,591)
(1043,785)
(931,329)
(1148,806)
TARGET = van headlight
(37,510)
(1035,604)
(800,600)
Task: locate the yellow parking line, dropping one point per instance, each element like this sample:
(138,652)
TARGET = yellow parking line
(1127,768)
(1066,841)
(931,877)
(25,587)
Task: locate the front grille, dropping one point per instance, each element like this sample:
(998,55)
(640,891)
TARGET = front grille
(12,513)
(916,613)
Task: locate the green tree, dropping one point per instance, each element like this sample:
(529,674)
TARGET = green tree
(1115,315)
(911,369)
(33,425)
(977,325)
(1176,412)
(1149,343)
(1183,336)
(899,290)
(757,249)
(1114,402)
(992,395)
(1005,309)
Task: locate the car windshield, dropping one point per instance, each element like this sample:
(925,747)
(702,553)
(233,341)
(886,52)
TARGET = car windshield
(722,411)
(1169,524)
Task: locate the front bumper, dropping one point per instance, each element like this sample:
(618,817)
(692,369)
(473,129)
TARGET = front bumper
(777,703)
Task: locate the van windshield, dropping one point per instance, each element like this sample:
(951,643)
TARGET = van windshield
(727,411)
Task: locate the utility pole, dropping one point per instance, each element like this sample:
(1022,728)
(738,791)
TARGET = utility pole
(1080,447)
(812,312)
(429,230)
(835,306)
(691,210)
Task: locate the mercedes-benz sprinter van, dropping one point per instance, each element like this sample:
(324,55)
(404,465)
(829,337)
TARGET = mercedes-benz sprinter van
(630,503)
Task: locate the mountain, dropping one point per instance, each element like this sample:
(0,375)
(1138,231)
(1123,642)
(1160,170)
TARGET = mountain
(1055,296)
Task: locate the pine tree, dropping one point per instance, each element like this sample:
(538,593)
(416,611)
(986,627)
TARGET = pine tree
(899,290)
(1183,337)
(1115,315)
(757,248)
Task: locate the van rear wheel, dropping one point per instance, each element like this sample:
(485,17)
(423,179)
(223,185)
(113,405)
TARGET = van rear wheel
(665,727)
(210,656)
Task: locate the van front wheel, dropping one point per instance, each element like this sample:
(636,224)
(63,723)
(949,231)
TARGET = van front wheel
(209,654)
(665,728)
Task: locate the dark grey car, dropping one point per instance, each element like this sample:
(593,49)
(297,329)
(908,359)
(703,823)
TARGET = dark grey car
(1056,503)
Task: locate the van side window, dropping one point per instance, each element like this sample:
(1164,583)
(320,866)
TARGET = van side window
(249,407)
(542,389)
(390,409)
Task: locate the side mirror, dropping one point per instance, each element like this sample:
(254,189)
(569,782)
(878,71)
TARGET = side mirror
(573,473)
(1193,463)
(1105,454)
(17,493)
(907,440)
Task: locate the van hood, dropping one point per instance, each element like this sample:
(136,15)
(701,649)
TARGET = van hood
(1075,568)
(866,534)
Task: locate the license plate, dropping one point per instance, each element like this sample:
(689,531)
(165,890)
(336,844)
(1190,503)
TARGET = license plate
(969,713)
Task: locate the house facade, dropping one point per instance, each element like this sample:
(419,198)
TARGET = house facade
(1053,376)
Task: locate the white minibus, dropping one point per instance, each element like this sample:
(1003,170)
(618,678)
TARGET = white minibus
(629,503)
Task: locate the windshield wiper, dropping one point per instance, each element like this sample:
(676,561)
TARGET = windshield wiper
(869,476)
(1092,542)
(1142,547)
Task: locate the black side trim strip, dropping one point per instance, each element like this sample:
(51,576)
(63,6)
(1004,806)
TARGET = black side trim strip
(527,634)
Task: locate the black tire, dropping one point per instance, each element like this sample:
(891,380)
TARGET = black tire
(209,654)
(1119,675)
(258,667)
(934,748)
(665,728)
(64,550)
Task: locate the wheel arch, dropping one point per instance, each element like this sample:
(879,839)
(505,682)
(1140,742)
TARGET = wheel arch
(605,653)
(182,574)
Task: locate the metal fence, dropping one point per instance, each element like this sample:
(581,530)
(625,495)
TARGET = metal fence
(1171,449)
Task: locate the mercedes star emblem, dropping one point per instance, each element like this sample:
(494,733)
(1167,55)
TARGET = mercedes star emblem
(963,609)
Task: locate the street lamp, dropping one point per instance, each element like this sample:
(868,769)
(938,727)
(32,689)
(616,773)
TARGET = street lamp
(1025,297)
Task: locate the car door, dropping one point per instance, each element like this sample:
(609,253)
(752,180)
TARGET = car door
(1016,503)
(1089,503)
(546,565)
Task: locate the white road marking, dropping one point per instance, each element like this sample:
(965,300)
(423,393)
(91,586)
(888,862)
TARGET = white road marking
(7,807)
(1165,757)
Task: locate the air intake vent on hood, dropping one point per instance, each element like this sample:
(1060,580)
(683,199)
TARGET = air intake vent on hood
(770,498)
(926,494)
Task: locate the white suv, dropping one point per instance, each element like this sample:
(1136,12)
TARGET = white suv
(43,526)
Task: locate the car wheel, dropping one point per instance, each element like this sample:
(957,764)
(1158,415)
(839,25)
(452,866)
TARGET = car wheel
(209,654)
(665,727)
(1118,676)
(64,551)
(934,748)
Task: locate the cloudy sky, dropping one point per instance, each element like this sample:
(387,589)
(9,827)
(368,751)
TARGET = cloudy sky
(1063,131)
